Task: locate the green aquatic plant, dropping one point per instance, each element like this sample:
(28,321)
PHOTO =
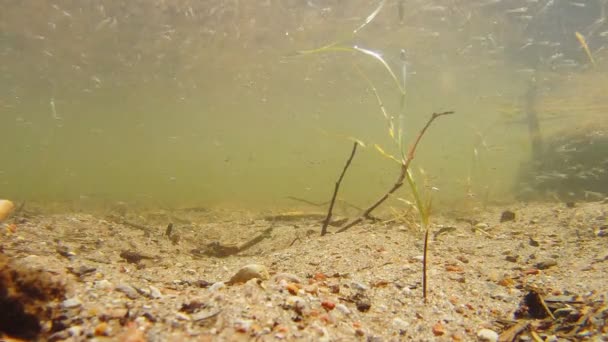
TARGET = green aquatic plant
(394,131)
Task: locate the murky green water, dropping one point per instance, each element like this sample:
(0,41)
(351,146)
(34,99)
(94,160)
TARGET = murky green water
(181,102)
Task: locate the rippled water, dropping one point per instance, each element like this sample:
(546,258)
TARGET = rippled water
(181,102)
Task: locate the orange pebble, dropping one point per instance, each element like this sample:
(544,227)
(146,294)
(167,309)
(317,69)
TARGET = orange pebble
(102,329)
(320,276)
(328,305)
(281,328)
(292,288)
(11,228)
(454,268)
(438,329)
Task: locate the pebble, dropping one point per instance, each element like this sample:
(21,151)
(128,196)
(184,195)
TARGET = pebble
(249,272)
(482,225)
(400,324)
(127,290)
(6,208)
(71,303)
(155,292)
(543,265)
(359,286)
(507,215)
(290,278)
(182,316)
(75,330)
(102,284)
(216,286)
(487,335)
(242,325)
(343,309)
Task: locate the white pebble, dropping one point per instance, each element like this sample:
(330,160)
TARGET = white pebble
(102,284)
(75,330)
(359,286)
(155,292)
(400,324)
(343,309)
(487,335)
(182,316)
(216,286)
(71,303)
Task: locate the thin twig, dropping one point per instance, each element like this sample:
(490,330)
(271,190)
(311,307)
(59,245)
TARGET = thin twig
(424,263)
(336,188)
(320,204)
(399,182)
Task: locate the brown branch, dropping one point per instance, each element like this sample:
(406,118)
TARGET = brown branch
(336,188)
(320,204)
(425,264)
(399,182)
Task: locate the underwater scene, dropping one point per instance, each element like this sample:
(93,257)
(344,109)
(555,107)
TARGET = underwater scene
(314,170)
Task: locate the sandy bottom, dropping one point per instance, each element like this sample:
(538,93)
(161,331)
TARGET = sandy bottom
(125,278)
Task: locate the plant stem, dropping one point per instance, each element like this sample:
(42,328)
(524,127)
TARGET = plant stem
(336,188)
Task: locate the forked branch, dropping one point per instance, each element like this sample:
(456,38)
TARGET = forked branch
(399,182)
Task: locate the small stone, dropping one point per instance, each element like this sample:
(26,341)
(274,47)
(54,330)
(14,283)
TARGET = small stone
(359,286)
(292,288)
(363,305)
(328,305)
(543,265)
(128,290)
(400,324)
(487,335)
(6,208)
(438,329)
(602,231)
(182,316)
(102,284)
(155,292)
(482,225)
(533,242)
(102,329)
(75,330)
(71,303)
(343,309)
(511,258)
(506,216)
(216,286)
(287,277)
(242,325)
(249,272)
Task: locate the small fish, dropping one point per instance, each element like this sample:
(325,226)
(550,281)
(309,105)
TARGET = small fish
(583,42)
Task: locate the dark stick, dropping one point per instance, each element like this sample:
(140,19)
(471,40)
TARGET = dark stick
(404,167)
(424,263)
(336,188)
(303,200)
